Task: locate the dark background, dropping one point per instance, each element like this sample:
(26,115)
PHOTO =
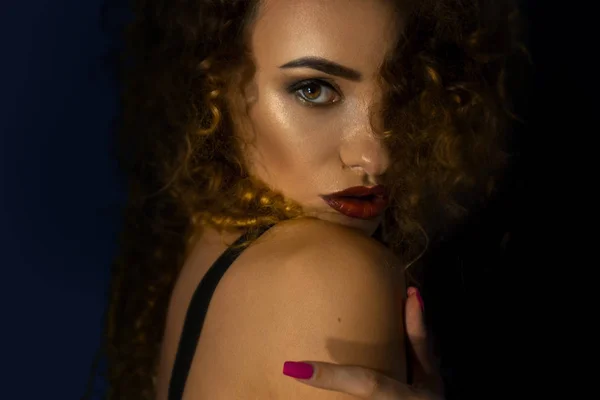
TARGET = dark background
(60,198)
(60,194)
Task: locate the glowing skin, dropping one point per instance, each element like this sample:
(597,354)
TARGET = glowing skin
(313,138)
(302,151)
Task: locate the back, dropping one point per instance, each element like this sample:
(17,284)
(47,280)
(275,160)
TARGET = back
(306,289)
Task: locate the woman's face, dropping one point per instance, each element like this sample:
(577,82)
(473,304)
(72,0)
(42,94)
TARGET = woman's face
(310,101)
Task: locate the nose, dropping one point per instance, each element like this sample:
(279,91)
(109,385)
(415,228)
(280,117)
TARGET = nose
(363,150)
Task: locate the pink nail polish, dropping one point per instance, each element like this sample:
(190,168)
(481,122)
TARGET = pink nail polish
(298,370)
(418,294)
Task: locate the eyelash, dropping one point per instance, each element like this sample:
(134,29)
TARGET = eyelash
(298,86)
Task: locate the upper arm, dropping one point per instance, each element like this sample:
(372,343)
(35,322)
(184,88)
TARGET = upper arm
(333,301)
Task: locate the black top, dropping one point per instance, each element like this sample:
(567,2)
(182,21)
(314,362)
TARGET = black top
(194,319)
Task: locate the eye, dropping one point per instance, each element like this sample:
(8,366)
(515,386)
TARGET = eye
(316,92)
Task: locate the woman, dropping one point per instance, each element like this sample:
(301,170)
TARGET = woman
(288,160)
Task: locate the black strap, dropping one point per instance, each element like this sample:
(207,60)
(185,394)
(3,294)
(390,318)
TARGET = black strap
(196,313)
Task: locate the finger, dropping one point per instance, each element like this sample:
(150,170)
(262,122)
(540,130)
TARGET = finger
(417,332)
(357,381)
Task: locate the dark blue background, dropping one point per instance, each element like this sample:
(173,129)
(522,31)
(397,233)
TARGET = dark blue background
(60,195)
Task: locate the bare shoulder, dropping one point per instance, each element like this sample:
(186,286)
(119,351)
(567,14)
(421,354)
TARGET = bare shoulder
(315,251)
(303,239)
(310,290)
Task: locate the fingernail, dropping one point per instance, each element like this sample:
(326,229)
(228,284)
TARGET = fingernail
(418,294)
(414,291)
(298,370)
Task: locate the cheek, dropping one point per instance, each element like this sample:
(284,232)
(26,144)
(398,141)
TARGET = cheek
(290,136)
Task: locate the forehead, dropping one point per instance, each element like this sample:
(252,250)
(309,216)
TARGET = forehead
(355,33)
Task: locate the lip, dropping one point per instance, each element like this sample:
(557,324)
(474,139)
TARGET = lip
(359,201)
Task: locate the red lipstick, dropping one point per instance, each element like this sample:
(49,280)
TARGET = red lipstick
(359,201)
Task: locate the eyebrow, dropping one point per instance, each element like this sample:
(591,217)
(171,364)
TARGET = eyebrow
(324,65)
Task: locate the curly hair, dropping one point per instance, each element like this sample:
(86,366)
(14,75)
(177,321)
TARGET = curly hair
(446,117)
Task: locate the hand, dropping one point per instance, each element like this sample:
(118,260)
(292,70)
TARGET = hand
(369,384)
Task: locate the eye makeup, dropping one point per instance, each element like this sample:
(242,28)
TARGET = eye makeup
(298,87)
